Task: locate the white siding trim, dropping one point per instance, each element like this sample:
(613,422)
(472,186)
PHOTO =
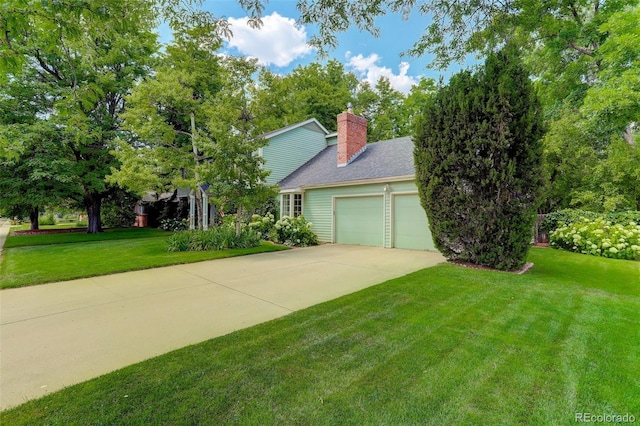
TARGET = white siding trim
(292,191)
(389,180)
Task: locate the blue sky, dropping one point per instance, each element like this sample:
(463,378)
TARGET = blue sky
(281,44)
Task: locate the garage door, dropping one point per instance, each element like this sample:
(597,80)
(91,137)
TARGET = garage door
(410,226)
(359,220)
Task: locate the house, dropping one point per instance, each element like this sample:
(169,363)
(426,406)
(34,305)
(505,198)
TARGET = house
(352,192)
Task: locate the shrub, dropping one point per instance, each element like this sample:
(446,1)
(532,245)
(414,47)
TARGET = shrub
(294,231)
(264,225)
(565,217)
(217,238)
(478,159)
(623,217)
(179,241)
(599,237)
(174,224)
(48,219)
(118,209)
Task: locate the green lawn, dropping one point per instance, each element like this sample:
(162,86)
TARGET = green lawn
(37,259)
(445,345)
(77,237)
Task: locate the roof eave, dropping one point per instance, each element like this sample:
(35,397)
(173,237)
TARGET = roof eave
(387,179)
(295,126)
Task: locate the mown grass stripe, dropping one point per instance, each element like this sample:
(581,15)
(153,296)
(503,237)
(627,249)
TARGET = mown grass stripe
(445,345)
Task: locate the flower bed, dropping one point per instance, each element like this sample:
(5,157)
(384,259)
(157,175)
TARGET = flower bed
(217,238)
(291,231)
(599,237)
(48,231)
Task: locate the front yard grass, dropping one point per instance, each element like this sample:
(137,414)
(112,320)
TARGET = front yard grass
(78,237)
(444,345)
(37,259)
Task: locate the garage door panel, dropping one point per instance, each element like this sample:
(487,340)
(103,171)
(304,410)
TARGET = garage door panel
(359,220)
(410,225)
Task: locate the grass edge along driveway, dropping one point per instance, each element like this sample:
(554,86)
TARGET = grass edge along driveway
(38,259)
(444,345)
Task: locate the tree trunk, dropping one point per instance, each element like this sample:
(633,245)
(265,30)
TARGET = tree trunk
(198,209)
(628,135)
(93,203)
(239,221)
(33,219)
(198,218)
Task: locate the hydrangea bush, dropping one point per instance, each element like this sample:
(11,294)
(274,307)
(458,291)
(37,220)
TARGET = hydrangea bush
(555,220)
(291,231)
(599,237)
(174,225)
(263,224)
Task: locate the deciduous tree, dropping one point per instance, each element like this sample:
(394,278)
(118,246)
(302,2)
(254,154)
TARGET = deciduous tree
(167,119)
(236,174)
(311,91)
(35,169)
(86,57)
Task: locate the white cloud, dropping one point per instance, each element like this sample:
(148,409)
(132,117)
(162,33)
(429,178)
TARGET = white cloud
(368,68)
(278,42)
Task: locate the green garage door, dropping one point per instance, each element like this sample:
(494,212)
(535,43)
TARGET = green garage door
(359,220)
(410,227)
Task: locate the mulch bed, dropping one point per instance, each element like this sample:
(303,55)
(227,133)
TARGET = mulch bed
(543,245)
(520,271)
(49,231)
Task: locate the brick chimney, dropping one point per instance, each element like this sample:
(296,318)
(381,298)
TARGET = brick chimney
(352,136)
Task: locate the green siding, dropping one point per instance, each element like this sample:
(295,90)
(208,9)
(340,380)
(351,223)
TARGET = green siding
(288,151)
(318,206)
(360,220)
(410,227)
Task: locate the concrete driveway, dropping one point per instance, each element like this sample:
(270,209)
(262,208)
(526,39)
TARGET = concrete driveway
(59,334)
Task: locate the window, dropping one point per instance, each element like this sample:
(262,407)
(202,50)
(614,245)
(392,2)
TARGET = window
(286,204)
(297,205)
(291,207)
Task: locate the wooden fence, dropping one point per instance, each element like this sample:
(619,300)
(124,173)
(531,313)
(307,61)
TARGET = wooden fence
(539,235)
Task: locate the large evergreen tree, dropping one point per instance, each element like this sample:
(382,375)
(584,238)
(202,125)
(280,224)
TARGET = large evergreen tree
(478,163)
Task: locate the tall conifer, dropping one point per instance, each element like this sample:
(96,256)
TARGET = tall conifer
(478,159)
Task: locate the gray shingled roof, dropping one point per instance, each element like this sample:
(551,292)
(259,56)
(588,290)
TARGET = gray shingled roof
(382,159)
